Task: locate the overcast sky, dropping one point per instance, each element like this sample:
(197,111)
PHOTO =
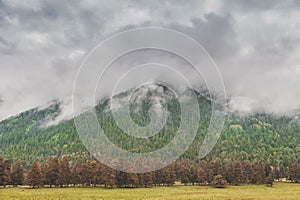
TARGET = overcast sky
(256,45)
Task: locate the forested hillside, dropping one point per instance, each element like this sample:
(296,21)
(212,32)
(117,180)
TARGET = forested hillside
(256,137)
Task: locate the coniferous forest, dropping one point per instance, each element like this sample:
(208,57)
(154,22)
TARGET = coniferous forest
(254,137)
(157,99)
(256,149)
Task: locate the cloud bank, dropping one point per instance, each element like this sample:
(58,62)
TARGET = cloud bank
(256,45)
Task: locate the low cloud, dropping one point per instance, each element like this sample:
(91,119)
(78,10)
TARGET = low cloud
(254,43)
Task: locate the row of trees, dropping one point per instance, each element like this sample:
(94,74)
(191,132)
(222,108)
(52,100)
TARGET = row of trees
(59,172)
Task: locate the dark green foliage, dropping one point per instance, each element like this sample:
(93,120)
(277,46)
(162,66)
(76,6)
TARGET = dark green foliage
(257,137)
(255,149)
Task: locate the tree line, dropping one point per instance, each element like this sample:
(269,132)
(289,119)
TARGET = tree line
(60,172)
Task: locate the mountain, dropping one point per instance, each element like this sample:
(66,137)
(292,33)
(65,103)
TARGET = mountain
(29,137)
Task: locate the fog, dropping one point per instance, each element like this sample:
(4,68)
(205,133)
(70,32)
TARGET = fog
(254,43)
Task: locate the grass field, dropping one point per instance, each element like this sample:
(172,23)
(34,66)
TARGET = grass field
(279,191)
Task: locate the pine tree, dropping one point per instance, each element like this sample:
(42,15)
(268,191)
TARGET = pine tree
(64,172)
(121,178)
(229,173)
(218,181)
(246,171)
(75,172)
(193,174)
(52,171)
(132,180)
(100,173)
(109,177)
(279,173)
(84,175)
(217,168)
(184,174)
(44,168)
(170,175)
(270,179)
(237,173)
(267,168)
(201,178)
(258,173)
(93,172)
(210,172)
(294,172)
(4,171)
(16,175)
(146,179)
(34,177)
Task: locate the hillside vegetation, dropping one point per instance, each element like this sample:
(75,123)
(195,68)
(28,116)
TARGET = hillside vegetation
(256,137)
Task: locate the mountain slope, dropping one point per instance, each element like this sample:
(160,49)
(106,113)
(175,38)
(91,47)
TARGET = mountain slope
(259,136)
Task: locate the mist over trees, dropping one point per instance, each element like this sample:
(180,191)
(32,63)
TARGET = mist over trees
(257,137)
(254,149)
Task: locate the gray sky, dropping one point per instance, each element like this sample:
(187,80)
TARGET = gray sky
(255,44)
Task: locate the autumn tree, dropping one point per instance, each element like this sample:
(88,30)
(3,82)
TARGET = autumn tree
(185,171)
(76,172)
(201,178)
(229,173)
(217,167)
(218,181)
(268,169)
(109,177)
(246,171)
(93,172)
(193,174)
(52,171)
(237,173)
(157,177)
(132,180)
(16,175)
(4,171)
(278,172)
(269,179)
(64,172)
(209,174)
(171,177)
(258,173)
(44,168)
(121,178)
(146,179)
(294,172)
(34,177)
(85,177)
